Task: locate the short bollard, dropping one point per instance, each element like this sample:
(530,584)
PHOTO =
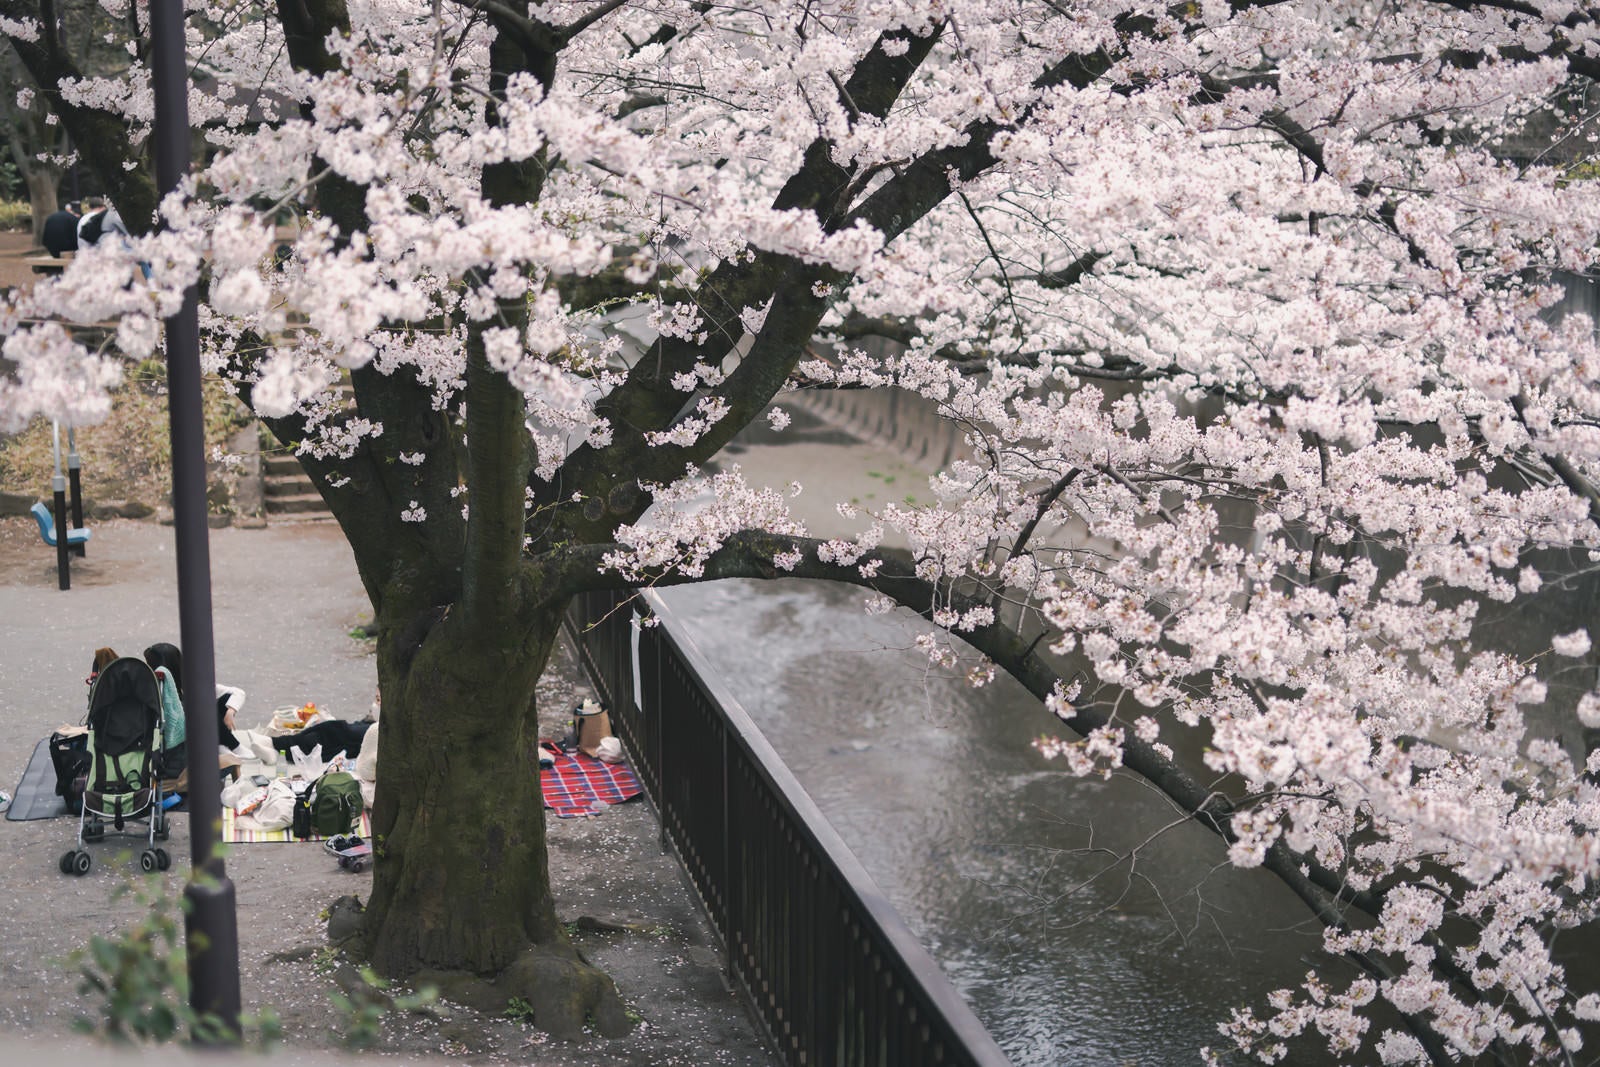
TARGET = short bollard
(58,485)
(75,485)
(63,551)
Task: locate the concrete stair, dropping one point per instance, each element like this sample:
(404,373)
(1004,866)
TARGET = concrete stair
(289,495)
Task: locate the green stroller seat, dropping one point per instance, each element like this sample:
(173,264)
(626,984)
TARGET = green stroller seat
(123,784)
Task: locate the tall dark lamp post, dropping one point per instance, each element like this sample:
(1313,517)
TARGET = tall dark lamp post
(211,926)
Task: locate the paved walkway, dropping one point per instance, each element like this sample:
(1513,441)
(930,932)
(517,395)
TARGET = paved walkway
(285,599)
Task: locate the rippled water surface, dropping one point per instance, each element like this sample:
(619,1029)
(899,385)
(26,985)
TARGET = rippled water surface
(1013,874)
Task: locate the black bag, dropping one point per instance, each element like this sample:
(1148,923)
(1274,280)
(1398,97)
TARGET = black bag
(301,827)
(70,754)
(172,762)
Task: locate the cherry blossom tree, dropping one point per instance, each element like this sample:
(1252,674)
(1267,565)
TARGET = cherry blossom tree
(32,147)
(35,140)
(1245,307)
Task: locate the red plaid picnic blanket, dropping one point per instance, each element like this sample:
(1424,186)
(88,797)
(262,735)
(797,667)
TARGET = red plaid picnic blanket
(581,785)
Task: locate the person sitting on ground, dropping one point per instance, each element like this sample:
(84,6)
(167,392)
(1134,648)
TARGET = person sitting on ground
(336,736)
(103,657)
(366,768)
(357,741)
(230,698)
(167,661)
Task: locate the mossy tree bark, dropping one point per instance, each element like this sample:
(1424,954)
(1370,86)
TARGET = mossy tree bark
(462,881)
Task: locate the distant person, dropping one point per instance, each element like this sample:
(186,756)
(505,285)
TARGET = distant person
(60,232)
(95,225)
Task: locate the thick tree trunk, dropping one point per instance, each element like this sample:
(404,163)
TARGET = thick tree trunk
(42,183)
(461,880)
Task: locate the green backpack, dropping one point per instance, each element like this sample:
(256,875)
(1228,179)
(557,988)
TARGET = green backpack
(336,804)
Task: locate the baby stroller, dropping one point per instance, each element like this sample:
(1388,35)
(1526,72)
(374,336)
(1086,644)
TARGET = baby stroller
(124,781)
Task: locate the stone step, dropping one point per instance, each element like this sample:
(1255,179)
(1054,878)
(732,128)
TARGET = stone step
(290,505)
(300,518)
(278,463)
(287,485)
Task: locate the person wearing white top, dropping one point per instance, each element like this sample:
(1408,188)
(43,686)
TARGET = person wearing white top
(110,222)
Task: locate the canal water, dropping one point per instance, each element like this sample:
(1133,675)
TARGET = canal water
(1083,920)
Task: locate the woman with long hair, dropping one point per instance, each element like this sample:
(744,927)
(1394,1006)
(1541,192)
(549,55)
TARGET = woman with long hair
(167,661)
(103,658)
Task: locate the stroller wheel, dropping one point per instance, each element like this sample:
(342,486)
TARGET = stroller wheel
(147,860)
(95,831)
(163,861)
(162,831)
(66,861)
(80,862)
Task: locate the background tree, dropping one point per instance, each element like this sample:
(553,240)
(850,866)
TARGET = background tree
(33,147)
(1244,306)
(36,143)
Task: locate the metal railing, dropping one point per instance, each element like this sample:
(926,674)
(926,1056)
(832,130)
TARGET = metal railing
(834,975)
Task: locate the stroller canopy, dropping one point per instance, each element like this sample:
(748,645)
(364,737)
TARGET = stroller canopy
(124,707)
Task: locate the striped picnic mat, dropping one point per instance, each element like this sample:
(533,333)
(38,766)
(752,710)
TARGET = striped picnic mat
(234,834)
(581,785)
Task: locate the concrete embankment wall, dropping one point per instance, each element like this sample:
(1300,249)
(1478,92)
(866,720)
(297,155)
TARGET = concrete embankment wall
(903,422)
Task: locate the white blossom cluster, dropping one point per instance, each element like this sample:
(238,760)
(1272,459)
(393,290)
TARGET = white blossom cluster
(692,519)
(1249,313)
